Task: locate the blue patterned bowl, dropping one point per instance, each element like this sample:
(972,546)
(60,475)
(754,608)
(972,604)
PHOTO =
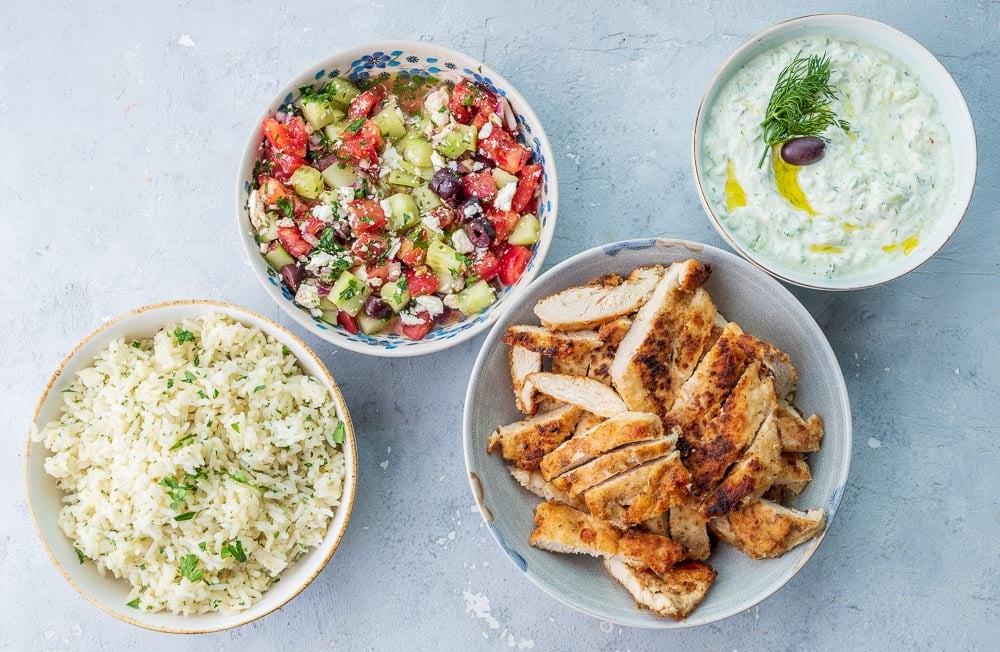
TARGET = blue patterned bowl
(406,58)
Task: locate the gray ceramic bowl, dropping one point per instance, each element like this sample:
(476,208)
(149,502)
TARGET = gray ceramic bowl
(744,294)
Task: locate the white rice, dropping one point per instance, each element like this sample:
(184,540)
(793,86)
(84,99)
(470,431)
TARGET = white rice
(232,402)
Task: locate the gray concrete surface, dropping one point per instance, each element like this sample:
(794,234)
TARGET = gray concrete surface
(120,130)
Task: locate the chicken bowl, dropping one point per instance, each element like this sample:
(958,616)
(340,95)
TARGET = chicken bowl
(556,442)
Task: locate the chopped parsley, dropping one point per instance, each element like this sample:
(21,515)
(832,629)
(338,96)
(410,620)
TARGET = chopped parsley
(257,388)
(183,335)
(355,126)
(170,383)
(202,394)
(181,443)
(235,550)
(134,604)
(235,426)
(136,344)
(203,545)
(240,477)
(215,394)
(189,568)
(189,377)
(177,491)
(186,516)
(79,554)
(339,433)
(328,241)
(286,207)
(350,291)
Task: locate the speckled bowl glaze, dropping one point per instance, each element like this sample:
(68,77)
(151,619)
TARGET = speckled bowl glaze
(406,58)
(45,498)
(743,294)
(935,79)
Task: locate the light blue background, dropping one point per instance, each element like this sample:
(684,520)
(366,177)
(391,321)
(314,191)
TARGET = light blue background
(118,147)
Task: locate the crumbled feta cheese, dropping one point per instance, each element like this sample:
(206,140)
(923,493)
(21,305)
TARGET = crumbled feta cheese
(431,304)
(437,107)
(386,208)
(452,165)
(394,245)
(431,222)
(461,241)
(285,221)
(375,282)
(472,209)
(410,320)
(450,301)
(390,158)
(485,131)
(504,196)
(323,212)
(437,160)
(318,261)
(255,205)
(308,297)
(345,195)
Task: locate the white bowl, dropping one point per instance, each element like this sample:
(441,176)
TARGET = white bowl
(45,498)
(743,294)
(407,57)
(933,76)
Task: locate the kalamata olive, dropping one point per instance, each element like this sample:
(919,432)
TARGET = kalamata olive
(469,209)
(804,150)
(292,276)
(487,163)
(447,186)
(377,308)
(481,232)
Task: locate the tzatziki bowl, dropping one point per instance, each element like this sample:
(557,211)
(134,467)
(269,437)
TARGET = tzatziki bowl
(834,152)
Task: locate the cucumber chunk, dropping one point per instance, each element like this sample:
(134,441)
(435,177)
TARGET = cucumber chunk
(427,200)
(389,122)
(335,130)
(370,325)
(307,181)
(349,293)
(400,177)
(526,231)
(475,298)
(340,92)
(277,257)
(458,139)
(319,112)
(396,294)
(502,178)
(443,259)
(339,175)
(416,150)
(403,211)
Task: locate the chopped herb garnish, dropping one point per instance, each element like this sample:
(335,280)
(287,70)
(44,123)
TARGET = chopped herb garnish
(328,241)
(355,126)
(284,350)
(257,388)
(189,568)
(79,554)
(234,550)
(215,394)
(350,291)
(339,433)
(182,442)
(176,490)
(186,516)
(183,335)
(240,477)
(235,426)
(202,545)
(136,344)
(170,383)
(285,206)
(134,604)
(202,393)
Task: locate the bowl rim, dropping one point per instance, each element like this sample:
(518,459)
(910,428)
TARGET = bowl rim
(763,34)
(424,347)
(494,338)
(350,475)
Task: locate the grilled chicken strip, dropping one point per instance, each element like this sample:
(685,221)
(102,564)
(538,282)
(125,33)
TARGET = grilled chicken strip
(522,363)
(612,334)
(524,443)
(776,362)
(588,393)
(666,340)
(554,344)
(798,435)
(792,473)
(626,428)
(576,364)
(674,594)
(611,464)
(751,476)
(533,482)
(690,529)
(587,306)
(640,493)
(766,529)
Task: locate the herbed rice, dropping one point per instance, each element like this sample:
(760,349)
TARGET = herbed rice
(210,421)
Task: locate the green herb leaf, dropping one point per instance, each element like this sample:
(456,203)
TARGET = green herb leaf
(257,388)
(339,433)
(355,126)
(170,383)
(134,604)
(189,568)
(186,516)
(203,545)
(285,206)
(182,442)
(79,554)
(240,477)
(235,426)
(284,350)
(189,377)
(183,335)
(215,393)
(350,291)
(202,394)
(235,550)
(136,344)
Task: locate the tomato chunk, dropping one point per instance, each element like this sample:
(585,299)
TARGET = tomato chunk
(271,190)
(514,262)
(293,242)
(502,148)
(462,101)
(365,215)
(480,184)
(362,144)
(362,105)
(486,267)
(526,186)
(421,282)
(290,138)
(312,226)
(285,165)
(417,331)
(370,247)
(410,252)
(503,222)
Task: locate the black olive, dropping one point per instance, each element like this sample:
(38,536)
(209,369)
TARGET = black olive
(804,150)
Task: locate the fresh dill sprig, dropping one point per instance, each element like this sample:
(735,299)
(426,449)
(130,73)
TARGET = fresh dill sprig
(800,102)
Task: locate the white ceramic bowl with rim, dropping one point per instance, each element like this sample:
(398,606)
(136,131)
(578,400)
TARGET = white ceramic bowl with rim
(742,293)
(933,77)
(45,498)
(409,58)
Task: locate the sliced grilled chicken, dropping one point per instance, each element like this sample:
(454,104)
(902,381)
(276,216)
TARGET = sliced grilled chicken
(554,344)
(666,340)
(751,476)
(731,431)
(588,393)
(522,363)
(601,359)
(559,528)
(587,306)
(524,443)
(798,435)
(766,529)
(533,482)
(576,364)
(587,421)
(657,525)
(640,493)
(674,594)
(626,428)
(776,362)
(690,529)
(793,473)
(611,464)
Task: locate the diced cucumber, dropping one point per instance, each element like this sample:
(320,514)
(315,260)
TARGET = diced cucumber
(397,297)
(325,304)
(341,92)
(330,316)
(502,178)
(416,150)
(339,175)
(400,177)
(389,122)
(349,293)
(448,282)
(526,231)
(404,211)
(369,325)
(335,130)
(307,181)
(475,298)
(277,257)
(319,112)
(458,139)
(427,200)
(442,258)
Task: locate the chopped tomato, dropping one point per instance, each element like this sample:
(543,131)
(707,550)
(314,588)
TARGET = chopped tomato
(480,184)
(312,226)
(417,331)
(445,216)
(365,215)
(482,117)
(487,266)
(379,272)
(370,247)
(503,222)
(526,185)
(290,138)
(514,262)
(285,165)
(410,253)
(420,282)
(362,145)
(369,133)
(349,323)
(362,105)
(502,148)
(461,102)
(271,190)
(293,242)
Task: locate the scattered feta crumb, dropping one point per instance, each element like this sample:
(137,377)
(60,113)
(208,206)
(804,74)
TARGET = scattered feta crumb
(390,158)
(437,160)
(323,212)
(472,209)
(408,319)
(436,104)
(285,221)
(461,241)
(504,197)
(485,131)
(318,261)
(430,304)
(308,297)
(451,301)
